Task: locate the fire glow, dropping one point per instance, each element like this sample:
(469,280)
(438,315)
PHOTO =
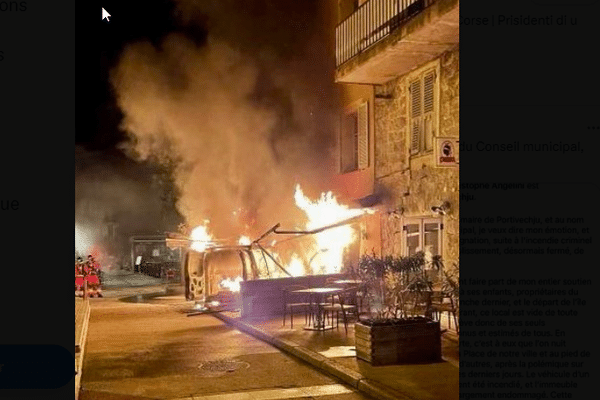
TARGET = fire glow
(244,241)
(324,255)
(201,239)
(328,252)
(232,285)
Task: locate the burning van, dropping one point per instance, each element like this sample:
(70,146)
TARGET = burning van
(249,275)
(217,269)
(257,269)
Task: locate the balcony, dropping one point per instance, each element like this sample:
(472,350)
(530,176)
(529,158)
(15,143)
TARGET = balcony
(384,39)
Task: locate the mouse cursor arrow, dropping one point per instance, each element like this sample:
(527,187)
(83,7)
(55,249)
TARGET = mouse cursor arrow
(105,14)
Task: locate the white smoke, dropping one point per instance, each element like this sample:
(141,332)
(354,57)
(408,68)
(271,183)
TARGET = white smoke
(196,107)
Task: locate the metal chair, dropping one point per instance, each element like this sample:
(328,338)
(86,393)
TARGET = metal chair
(293,301)
(331,298)
(440,306)
(343,305)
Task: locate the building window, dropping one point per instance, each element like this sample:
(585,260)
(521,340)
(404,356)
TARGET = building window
(423,115)
(354,139)
(423,234)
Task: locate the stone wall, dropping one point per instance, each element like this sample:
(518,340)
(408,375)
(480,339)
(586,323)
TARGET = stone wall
(415,184)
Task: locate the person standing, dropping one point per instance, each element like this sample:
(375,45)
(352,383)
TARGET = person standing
(79,277)
(94,266)
(93,277)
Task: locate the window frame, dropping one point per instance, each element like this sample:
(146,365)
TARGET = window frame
(361,154)
(421,222)
(433,116)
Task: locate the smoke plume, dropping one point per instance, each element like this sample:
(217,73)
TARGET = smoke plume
(115,190)
(244,113)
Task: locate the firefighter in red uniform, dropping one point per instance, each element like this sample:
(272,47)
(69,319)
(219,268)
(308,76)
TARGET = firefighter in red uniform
(92,264)
(93,277)
(79,276)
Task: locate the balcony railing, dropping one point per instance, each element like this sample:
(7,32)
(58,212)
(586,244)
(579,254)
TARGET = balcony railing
(371,22)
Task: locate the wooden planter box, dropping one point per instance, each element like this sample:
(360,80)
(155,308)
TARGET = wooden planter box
(414,342)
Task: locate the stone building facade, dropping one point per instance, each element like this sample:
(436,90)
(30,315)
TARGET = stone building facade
(416,183)
(405,67)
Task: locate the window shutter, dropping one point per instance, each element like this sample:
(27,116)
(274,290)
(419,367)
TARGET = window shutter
(428,109)
(428,84)
(415,134)
(363,136)
(415,114)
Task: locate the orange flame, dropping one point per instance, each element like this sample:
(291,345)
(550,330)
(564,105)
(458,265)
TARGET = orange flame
(201,239)
(323,256)
(327,254)
(231,284)
(296,266)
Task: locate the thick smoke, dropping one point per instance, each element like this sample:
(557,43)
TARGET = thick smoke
(244,116)
(116,191)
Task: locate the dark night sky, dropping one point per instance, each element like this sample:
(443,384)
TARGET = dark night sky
(130,21)
(276,25)
(101,168)
(285,30)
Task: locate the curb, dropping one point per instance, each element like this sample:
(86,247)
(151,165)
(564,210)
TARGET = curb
(344,373)
(81,344)
(318,361)
(378,391)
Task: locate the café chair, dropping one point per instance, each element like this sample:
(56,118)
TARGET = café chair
(295,301)
(442,302)
(341,303)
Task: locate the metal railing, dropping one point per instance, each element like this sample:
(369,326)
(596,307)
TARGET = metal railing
(371,22)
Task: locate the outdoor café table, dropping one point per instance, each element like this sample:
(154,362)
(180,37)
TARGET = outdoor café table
(317,295)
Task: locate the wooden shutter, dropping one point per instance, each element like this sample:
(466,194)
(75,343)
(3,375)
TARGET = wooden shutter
(415,115)
(363,136)
(349,143)
(428,85)
(428,109)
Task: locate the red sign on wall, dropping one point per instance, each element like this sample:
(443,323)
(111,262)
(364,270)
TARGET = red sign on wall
(446,152)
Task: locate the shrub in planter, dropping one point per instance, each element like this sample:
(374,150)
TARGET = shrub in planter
(393,333)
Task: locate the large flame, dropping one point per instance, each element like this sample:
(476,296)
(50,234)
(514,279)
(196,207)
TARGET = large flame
(201,239)
(231,284)
(327,255)
(324,255)
(296,266)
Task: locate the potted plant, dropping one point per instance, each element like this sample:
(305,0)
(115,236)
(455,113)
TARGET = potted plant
(398,327)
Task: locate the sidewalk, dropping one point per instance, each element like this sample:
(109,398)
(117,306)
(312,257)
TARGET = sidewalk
(332,352)
(82,317)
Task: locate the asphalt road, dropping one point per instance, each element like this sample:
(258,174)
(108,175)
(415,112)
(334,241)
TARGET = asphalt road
(154,351)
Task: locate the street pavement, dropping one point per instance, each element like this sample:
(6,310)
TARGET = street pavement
(153,350)
(334,351)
